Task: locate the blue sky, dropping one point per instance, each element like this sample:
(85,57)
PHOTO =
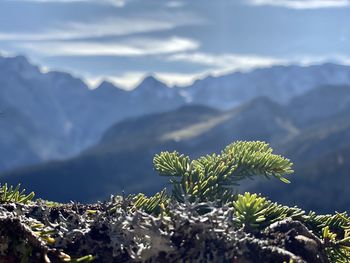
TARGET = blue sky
(176,40)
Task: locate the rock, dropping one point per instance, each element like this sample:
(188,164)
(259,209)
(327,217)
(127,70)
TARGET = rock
(114,231)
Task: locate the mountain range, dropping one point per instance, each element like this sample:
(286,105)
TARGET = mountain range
(54,115)
(67,141)
(122,160)
(57,115)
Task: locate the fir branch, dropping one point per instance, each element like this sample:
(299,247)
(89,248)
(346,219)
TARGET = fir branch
(255,212)
(338,223)
(10,194)
(151,205)
(256,158)
(171,164)
(338,250)
(213,177)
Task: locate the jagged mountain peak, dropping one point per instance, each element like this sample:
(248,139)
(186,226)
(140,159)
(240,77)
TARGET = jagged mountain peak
(55,74)
(151,82)
(152,87)
(19,60)
(19,64)
(107,86)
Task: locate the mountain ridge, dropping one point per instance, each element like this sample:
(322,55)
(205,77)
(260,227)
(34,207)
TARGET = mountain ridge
(121,158)
(71,117)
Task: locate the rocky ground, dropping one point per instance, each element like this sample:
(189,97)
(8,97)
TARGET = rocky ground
(114,231)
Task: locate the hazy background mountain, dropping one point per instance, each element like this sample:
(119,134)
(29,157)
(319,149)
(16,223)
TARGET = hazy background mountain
(63,116)
(279,83)
(59,115)
(101,141)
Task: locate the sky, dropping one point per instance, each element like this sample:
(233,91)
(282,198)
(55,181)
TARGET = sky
(177,41)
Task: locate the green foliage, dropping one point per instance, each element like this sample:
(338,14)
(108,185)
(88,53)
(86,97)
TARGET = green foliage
(338,223)
(15,195)
(338,250)
(40,230)
(335,232)
(152,205)
(85,259)
(255,212)
(250,210)
(46,235)
(256,158)
(49,203)
(213,177)
(172,164)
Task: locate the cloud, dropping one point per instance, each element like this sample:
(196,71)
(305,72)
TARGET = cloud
(217,65)
(307,60)
(226,62)
(175,4)
(106,27)
(129,80)
(117,3)
(132,47)
(301,4)
(5,53)
(180,79)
